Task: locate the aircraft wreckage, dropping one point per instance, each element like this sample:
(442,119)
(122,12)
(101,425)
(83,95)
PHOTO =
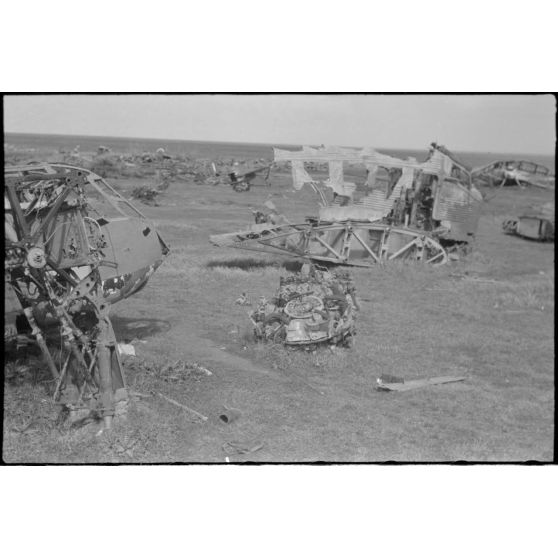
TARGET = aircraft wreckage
(409,210)
(537,223)
(513,173)
(73,247)
(241,182)
(310,308)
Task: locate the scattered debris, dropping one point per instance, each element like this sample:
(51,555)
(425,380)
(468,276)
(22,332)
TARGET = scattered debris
(148,374)
(198,368)
(243,300)
(389,379)
(240,182)
(167,168)
(394,383)
(184,368)
(312,307)
(161,166)
(146,195)
(229,415)
(125,349)
(177,404)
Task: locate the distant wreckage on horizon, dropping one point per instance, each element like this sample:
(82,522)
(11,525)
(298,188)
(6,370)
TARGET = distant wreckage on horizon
(513,173)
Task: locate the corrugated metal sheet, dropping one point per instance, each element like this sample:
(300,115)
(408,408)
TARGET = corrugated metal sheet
(459,206)
(454,202)
(455,211)
(378,202)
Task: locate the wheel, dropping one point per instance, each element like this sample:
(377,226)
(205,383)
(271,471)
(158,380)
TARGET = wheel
(434,253)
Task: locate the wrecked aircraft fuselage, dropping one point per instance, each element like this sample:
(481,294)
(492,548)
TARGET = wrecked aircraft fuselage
(405,210)
(74,246)
(513,173)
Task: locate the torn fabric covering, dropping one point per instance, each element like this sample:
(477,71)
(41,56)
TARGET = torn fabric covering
(367,156)
(406,180)
(300,176)
(371,177)
(349,189)
(335,181)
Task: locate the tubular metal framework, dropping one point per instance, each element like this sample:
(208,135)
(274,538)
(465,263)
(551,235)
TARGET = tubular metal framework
(66,262)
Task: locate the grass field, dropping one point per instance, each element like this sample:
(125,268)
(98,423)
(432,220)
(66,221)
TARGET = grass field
(489,317)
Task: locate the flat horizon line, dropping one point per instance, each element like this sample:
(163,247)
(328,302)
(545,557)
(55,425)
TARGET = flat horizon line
(547,154)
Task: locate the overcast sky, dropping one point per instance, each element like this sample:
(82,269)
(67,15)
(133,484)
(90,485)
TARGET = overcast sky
(498,123)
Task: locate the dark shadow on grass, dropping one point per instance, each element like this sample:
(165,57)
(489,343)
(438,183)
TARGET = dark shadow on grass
(530,240)
(127,329)
(248,264)
(24,364)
